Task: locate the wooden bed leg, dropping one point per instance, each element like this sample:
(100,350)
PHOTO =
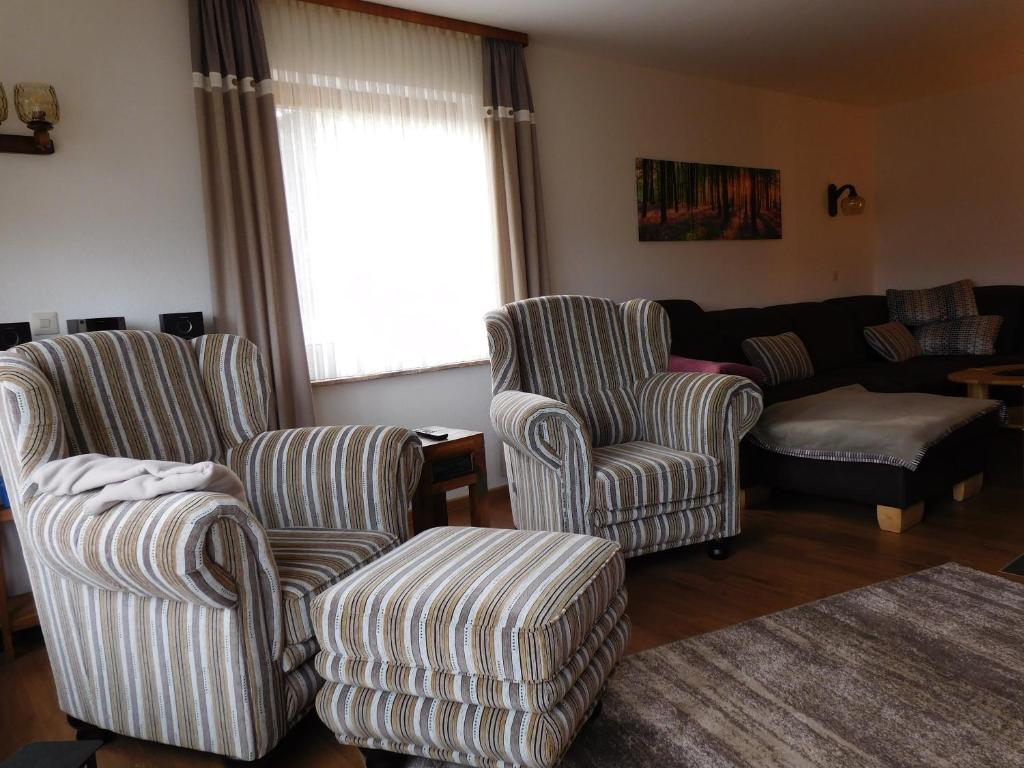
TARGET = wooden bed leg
(755,496)
(897,519)
(968,488)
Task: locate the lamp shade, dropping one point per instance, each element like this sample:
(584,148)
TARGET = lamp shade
(36,102)
(3,103)
(852,205)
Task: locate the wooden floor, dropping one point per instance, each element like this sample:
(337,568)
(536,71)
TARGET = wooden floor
(794,550)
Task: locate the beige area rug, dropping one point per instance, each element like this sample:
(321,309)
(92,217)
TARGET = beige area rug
(923,670)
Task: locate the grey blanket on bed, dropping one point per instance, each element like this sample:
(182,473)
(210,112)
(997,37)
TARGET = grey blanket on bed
(852,424)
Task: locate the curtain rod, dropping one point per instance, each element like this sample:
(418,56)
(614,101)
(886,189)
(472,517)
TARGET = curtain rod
(426,19)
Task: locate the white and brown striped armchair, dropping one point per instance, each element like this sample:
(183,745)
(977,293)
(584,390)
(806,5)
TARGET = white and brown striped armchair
(600,439)
(185,619)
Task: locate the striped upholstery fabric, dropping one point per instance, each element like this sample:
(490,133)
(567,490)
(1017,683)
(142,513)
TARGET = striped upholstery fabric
(671,528)
(644,475)
(330,477)
(166,619)
(466,733)
(543,353)
(893,341)
(782,358)
(128,393)
(309,560)
(237,385)
(474,601)
(477,689)
(478,646)
(573,349)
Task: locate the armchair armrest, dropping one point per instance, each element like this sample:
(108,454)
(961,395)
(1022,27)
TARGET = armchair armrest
(550,462)
(194,547)
(532,424)
(331,477)
(699,412)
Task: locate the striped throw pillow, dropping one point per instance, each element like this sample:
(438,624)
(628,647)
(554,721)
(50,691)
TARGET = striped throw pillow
(930,305)
(966,336)
(893,341)
(782,358)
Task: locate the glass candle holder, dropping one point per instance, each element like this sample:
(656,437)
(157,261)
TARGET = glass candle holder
(36,103)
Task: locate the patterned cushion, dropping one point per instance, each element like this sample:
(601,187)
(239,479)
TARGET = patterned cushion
(515,605)
(893,341)
(476,689)
(782,358)
(309,560)
(129,393)
(573,349)
(930,305)
(465,733)
(646,475)
(967,336)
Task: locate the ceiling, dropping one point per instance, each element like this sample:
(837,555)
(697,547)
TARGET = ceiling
(867,52)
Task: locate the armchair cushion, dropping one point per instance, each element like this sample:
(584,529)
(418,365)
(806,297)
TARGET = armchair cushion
(643,476)
(309,560)
(331,477)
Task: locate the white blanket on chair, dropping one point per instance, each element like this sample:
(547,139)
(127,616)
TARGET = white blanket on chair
(118,479)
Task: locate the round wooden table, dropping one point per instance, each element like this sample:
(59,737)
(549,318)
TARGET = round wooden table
(979,381)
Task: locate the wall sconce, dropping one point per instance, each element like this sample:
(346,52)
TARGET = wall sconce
(38,108)
(851,205)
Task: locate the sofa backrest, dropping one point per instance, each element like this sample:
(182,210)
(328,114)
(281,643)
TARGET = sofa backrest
(128,393)
(1007,301)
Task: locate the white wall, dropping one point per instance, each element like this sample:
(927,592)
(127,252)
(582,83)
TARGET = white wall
(596,116)
(951,188)
(112,223)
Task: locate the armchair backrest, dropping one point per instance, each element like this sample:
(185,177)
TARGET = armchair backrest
(589,353)
(128,393)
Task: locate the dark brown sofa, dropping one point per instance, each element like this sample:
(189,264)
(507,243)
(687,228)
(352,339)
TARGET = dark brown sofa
(832,331)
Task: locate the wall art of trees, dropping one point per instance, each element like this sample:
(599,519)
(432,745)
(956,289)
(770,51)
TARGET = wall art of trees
(697,201)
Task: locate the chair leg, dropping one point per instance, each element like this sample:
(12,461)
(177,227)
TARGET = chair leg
(719,549)
(88,732)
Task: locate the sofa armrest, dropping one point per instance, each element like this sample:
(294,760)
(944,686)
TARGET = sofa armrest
(331,477)
(704,413)
(193,547)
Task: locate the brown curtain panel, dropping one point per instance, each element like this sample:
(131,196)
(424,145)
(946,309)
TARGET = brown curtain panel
(254,290)
(512,131)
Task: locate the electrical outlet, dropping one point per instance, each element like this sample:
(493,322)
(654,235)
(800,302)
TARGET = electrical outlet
(45,324)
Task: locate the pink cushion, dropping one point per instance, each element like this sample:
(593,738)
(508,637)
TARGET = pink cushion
(678,364)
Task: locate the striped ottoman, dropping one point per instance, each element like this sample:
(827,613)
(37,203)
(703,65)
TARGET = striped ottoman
(472,645)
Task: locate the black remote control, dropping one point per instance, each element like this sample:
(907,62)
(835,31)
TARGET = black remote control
(432,433)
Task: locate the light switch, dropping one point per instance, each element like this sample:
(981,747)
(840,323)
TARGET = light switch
(45,324)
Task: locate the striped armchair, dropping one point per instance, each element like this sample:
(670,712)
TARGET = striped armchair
(185,619)
(599,439)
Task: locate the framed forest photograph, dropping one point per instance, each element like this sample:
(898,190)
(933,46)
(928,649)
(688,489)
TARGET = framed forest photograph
(700,201)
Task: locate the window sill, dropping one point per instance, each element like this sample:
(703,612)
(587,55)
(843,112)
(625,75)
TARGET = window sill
(394,374)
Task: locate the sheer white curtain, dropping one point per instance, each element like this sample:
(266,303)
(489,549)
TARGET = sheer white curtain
(389,192)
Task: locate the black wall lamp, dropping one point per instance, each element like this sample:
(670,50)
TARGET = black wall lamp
(851,205)
(37,107)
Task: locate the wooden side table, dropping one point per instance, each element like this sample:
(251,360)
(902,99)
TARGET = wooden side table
(17,611)
(459,461)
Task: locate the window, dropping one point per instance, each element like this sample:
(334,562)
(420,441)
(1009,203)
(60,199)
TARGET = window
(387,174)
